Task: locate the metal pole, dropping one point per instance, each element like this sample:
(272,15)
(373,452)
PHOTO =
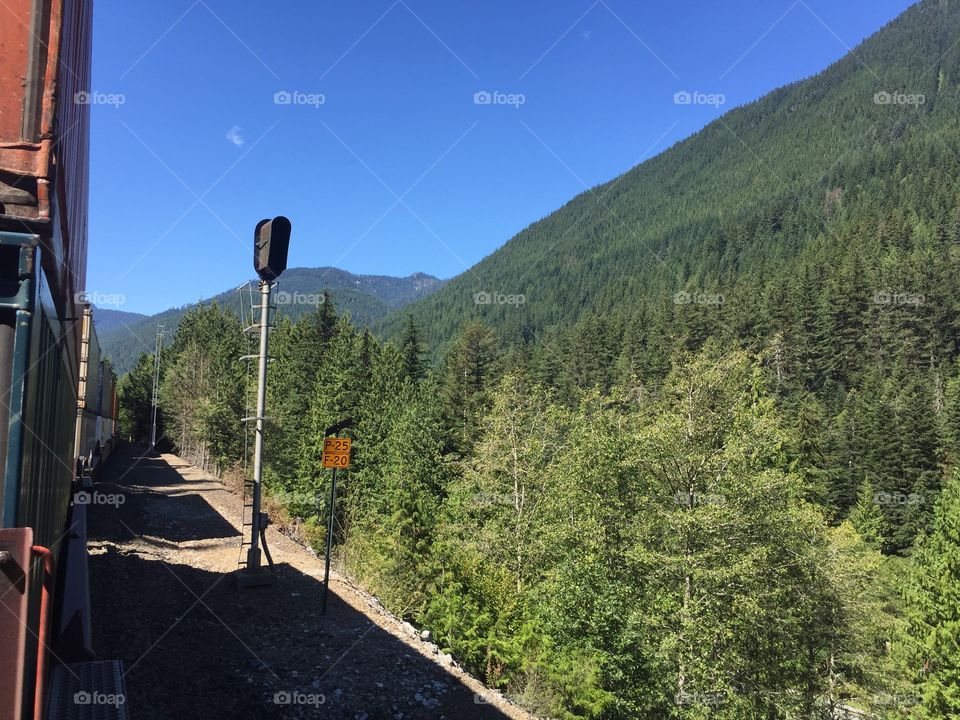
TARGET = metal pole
(326,570)
(253,554)
(156,385)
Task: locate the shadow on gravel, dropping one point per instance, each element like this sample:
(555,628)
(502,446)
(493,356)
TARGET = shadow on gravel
(194,647)
(185,515)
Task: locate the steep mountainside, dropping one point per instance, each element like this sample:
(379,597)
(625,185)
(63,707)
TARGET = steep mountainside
(741,198)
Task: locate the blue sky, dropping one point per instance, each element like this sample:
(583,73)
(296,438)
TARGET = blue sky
(361,122)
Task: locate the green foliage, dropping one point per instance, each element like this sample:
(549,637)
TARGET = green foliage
(202,388)
(135,397)
(933,597)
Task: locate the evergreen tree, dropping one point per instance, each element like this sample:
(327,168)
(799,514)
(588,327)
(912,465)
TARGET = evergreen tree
(867,518)
(135,397)
(933,597)
(411,347)
(468,374)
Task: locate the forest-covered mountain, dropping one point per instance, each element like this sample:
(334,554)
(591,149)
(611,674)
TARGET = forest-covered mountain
(365,298)
(108,319)
(858,161)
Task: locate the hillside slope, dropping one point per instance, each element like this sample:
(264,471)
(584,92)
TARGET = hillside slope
(738,198)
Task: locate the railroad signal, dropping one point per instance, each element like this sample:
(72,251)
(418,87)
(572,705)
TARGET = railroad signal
(271,240)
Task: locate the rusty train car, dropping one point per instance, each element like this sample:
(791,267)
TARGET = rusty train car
(53,395)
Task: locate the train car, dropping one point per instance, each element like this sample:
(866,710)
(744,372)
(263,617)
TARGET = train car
(44,143)
(96,400)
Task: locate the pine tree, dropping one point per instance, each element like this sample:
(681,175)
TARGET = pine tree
(135,396)
(468,374)
(412,349)
(933,596)
(867,518)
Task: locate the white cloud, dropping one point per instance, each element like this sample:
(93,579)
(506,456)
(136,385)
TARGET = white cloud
(235,136)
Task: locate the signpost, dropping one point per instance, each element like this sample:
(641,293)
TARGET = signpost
(335,455)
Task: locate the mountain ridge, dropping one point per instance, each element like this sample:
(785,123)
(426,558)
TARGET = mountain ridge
(366,298)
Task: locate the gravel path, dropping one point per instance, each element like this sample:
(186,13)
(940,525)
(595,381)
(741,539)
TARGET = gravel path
(163,539)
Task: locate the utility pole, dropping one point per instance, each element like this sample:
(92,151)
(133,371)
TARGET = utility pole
(156,385)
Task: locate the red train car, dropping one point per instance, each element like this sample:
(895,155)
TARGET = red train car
(44,134)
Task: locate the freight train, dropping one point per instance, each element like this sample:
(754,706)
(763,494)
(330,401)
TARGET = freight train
(57,398)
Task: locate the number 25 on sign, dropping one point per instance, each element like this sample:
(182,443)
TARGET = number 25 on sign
(336,453)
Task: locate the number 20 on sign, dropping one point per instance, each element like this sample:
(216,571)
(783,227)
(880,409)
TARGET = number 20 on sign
(336,453)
